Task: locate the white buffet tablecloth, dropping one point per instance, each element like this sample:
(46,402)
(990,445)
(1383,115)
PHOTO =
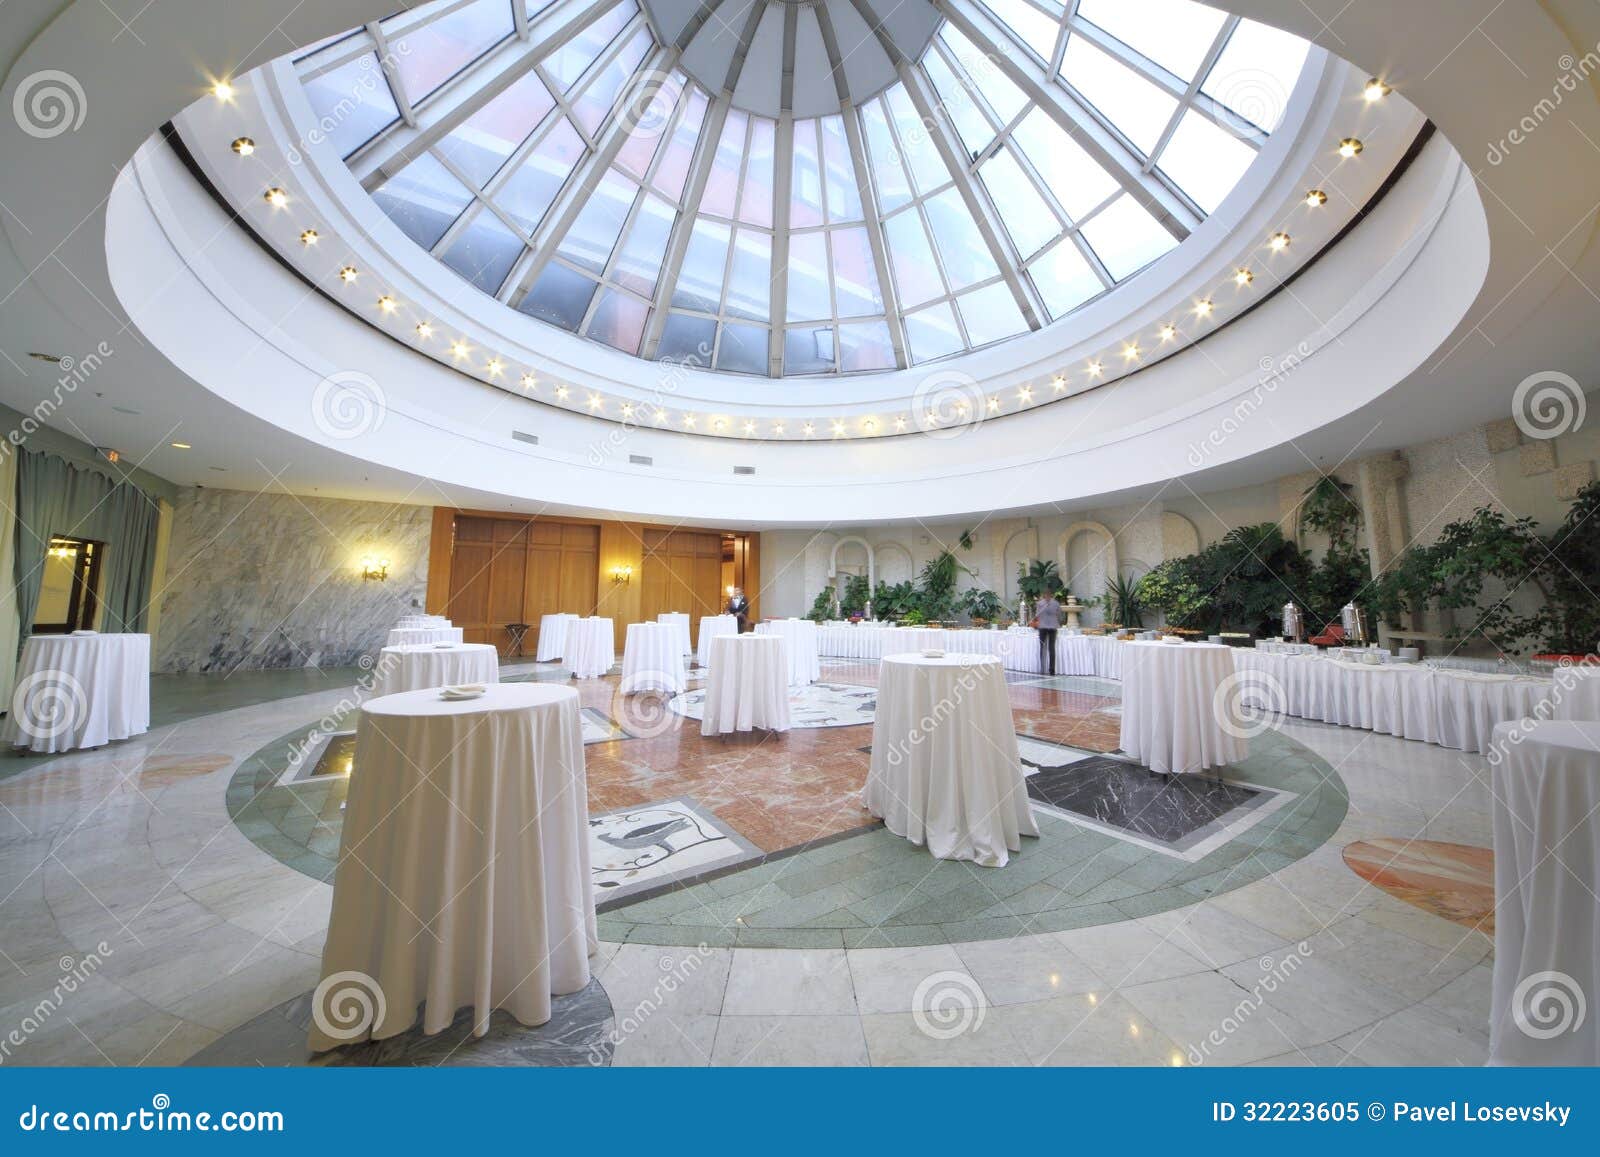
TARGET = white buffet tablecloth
(748,686)
(424,665)
(1546,789)
(801,637)
(1170,716)
(1579,696)
(713,627)
(79,691)
(652,659)
(553,637)
(679,622)
(945,771)
(463,875)
(591,648)
(1016,647)
(410,636)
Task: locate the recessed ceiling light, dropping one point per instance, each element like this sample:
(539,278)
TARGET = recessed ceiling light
(223,91)
(495,367)
(182,446)
(1316,198)
(1202,308)
(424,330)
(718,425)
(1025,394)
(459,349)
(275,197)
(870,425)
(1278,242)
(1059,384)
(348,274)
(838,428)
(1095,369)
(688,421)
(627,409)
(749,427)
(529,382)
(596,402)
(1168,332)
(994,404)
(562,392)
(308,237)
(777,429)
(1375,90)
(900,422)
(1243,277)
(1130,352)
(388,304)
(1350,146)
(244,146)
(661,416)
(809,429)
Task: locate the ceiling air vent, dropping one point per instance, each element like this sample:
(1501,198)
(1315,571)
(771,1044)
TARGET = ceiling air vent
(641,460)
(530,439)
(744,469)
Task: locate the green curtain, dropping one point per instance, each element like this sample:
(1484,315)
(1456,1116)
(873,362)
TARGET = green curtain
(55,496)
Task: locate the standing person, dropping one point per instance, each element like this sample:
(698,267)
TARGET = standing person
(1047,617)
(739,608)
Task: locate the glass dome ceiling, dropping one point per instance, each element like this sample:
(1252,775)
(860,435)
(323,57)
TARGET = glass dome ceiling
(782,189)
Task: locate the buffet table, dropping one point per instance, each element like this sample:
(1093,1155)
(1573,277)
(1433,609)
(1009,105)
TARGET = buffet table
(463,875)
(410,636)
(652,659)
(1546,792)
(79,691)
(591,648)
(748,686)
(713,627)
(945,771)
(423,665)
(553,637)
(1170,717)
(800,635)
(1016,647)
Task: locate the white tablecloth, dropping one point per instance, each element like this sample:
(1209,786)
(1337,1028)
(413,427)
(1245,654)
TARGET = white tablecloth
(553,636)
(591,648)
(1546,789)
(409,636)
(1016,647)
(434,665)
(945,770)
(1579,689)
(652,659)
(748,686)
(713,627)
(422,621)
(79,691)
(463,875)
(679,622)
(801,637)
(1171,720)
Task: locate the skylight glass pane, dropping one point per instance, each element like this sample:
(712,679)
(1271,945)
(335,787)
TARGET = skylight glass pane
(844,199)
(1256,73)
(933,333)
(855,278)
(1126,238)
(484,251)
(528,193)
(755,201)
(1176,34)
(722,183)
(864,347)
(700,280)
(750,279)
(600,94)
(560,297)
(967,259)
(1133,105)
(808,350)
(426,57)
(1026,215)
(1032,26)
(743,349)
(808,277)
(639,262)
(917,149)
(567,63)
(423,199)
(687,340)
(1206,161)
(593,234)
(649,128)
(894,189)
(1064,278)
(352,103)
(960,105)
(479,145)
(993,87)
(618,321)
(991,313)
(673,168)
(1074,177)
(805,187)
(916,274)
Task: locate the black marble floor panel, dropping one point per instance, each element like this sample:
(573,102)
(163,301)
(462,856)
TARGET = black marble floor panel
(1123,795)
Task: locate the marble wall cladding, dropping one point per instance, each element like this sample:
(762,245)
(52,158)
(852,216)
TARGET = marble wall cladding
(274,580)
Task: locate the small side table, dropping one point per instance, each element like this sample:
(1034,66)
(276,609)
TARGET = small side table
(516,631)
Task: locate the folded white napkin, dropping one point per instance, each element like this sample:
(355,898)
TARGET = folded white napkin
(85,632)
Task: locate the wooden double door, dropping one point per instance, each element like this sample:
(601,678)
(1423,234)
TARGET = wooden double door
(682,570)
(512,570)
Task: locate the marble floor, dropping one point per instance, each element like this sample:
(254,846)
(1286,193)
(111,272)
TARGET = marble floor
(123,872)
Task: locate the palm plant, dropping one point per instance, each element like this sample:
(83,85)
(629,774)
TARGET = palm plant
(1036,577)
(1124,601)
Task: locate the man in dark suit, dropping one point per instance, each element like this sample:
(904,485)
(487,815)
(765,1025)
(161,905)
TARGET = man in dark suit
(739,608)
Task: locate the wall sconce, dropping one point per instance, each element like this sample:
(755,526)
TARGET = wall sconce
(621,576)
(375,568)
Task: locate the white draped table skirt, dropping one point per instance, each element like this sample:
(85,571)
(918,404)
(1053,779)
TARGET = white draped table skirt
(424,665)
(800,636)
(78,691)
(652,659)
(679,622)
(591,648)
(748,686)
(463,877)
(1171,717)
(553,637)
(410,636)
(713,627)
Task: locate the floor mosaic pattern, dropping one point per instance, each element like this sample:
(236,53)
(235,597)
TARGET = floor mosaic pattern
(639,848)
